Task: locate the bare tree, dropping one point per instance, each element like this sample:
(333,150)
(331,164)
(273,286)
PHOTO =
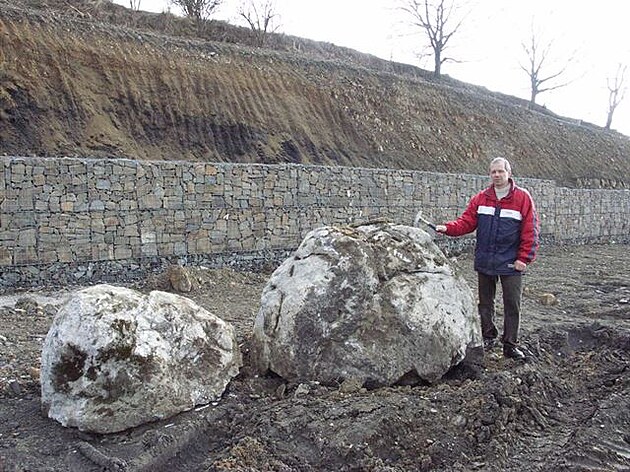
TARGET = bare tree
(439,21)
(260,16)
(617,90)
(542,79)
(134,4)
(198,10)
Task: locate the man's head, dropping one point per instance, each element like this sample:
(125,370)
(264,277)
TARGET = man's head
(500,172)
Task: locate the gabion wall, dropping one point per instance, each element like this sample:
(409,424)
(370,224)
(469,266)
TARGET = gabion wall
(81,219)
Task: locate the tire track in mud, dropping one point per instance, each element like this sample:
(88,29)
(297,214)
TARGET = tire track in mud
(600,441)
(592,442)
(589,417)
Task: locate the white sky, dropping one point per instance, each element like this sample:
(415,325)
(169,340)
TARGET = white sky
(488,44)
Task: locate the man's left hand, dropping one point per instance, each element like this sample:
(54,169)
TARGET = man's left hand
(520,266)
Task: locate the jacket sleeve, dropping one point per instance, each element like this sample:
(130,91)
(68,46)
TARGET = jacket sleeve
(467,222)
(530,230)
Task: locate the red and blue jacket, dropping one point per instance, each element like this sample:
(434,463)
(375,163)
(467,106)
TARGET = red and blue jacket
(507,229)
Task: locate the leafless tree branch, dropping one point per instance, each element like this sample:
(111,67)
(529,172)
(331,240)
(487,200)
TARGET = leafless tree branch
(617,91)
(438,21)
(537,67)
(260,16)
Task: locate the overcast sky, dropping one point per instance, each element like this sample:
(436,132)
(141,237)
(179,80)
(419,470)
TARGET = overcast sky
(590,38)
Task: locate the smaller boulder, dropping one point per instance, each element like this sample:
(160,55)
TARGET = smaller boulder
(181,279)
(115,358)
(548,299)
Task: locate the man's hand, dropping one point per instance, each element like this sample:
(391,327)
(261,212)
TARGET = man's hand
(520,266)
(440,228)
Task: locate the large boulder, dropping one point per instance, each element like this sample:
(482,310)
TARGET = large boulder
(115,358)
(376,303)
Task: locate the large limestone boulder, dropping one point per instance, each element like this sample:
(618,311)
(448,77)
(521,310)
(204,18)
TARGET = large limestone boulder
(115,358)
(375,303)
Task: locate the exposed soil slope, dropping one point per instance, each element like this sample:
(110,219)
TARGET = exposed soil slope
(94,79)
(566,409)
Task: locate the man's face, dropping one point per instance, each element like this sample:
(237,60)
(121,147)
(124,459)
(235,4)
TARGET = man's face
(499,175)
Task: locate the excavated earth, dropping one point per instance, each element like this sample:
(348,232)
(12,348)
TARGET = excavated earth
(566,408)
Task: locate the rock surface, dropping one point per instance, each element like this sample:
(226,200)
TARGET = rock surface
(115,358)
(375,303)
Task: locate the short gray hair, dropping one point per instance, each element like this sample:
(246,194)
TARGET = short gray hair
(506,163)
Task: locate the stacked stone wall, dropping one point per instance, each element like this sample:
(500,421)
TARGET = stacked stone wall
(80,215)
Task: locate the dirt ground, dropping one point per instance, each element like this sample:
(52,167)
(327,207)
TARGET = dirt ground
(567,408)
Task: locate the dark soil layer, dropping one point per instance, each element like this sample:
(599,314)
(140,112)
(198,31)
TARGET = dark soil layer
(567,408)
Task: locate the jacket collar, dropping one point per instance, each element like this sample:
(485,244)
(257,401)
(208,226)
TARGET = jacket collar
(490,190)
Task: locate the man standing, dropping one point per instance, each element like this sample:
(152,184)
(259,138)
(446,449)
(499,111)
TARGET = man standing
(507,240)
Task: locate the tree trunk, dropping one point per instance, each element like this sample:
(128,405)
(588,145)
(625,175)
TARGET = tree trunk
(609,119)
(437,70)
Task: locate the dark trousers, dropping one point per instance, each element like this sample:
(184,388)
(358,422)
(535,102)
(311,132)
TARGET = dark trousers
(511,286)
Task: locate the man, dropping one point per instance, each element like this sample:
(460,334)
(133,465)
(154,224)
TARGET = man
(507,240)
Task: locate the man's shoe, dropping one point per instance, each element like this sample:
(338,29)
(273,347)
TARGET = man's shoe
(513,352)
(488,344)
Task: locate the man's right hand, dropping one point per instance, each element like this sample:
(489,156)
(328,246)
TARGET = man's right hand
(440,228)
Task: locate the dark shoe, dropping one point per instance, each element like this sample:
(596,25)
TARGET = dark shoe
(488,344)
(513,352)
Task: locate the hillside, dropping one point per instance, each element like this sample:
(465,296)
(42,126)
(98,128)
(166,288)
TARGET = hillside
(90,78)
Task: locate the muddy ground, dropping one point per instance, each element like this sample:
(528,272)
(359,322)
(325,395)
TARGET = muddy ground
(567,408)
